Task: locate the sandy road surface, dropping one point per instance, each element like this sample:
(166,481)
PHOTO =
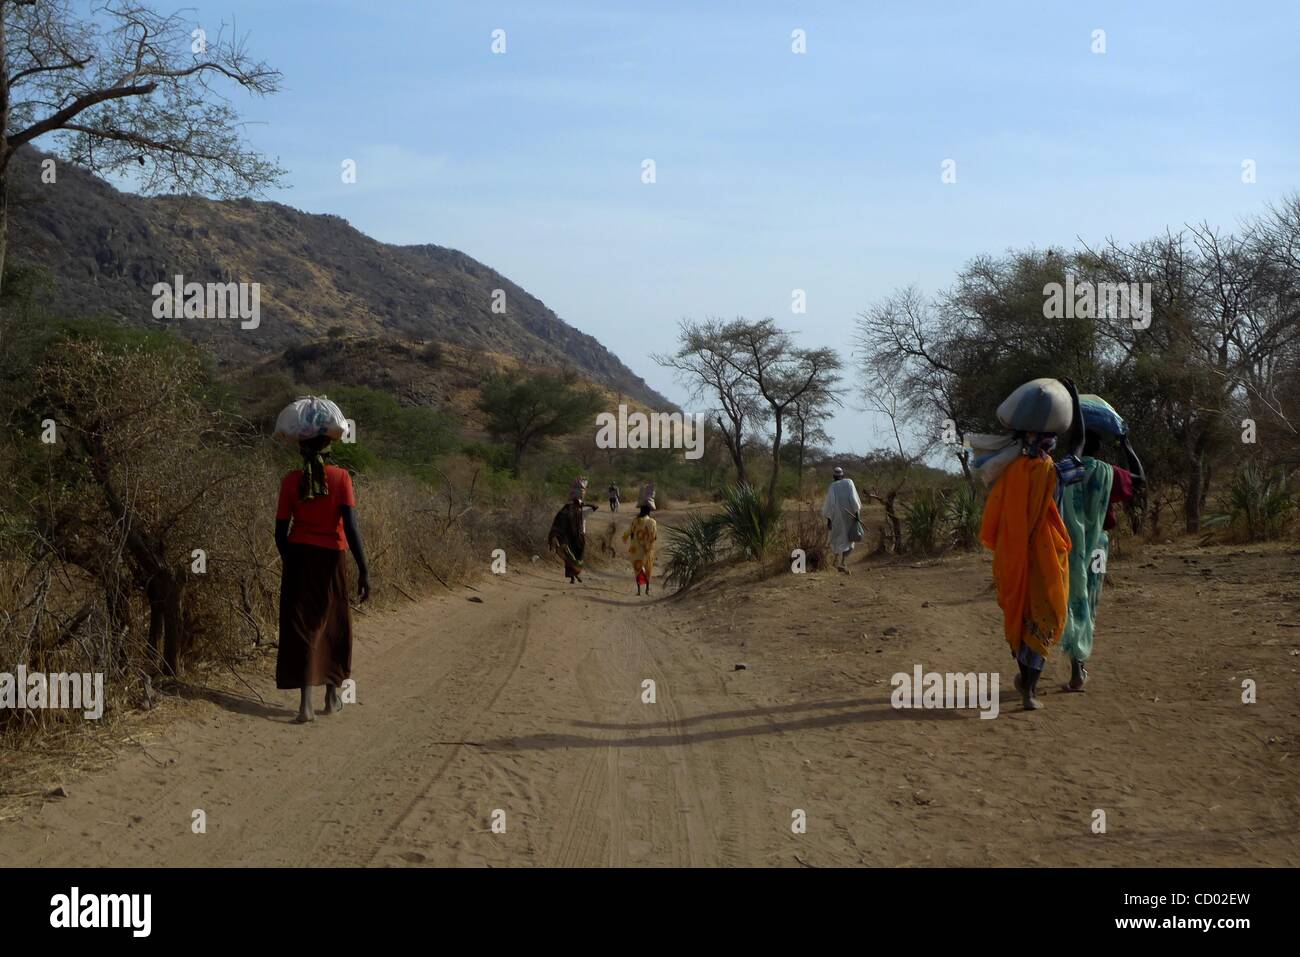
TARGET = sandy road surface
(530,702)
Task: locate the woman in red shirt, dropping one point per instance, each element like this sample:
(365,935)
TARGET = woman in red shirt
(315,527)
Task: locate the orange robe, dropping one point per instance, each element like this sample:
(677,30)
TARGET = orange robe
(1031,554)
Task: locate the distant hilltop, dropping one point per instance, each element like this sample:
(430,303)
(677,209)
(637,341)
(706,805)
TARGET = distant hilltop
(106,250)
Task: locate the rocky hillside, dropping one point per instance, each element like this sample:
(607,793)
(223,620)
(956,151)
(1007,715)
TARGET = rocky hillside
(318,276)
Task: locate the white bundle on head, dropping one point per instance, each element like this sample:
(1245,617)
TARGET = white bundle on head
(1040,405)
(309,417)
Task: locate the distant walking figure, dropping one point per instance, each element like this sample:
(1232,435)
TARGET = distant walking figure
(613,497)
(315,527)
(568,534)
(842,511)
(641,538)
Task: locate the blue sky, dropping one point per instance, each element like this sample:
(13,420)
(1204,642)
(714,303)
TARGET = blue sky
(775,171)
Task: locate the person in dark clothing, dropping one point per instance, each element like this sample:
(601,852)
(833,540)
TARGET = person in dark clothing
(568,534)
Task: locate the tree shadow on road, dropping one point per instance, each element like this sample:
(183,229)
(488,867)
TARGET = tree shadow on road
(863,711)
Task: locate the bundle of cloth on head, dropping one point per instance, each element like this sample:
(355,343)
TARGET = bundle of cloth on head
(1022,524)
(1100,416)
(647,496)
(311,423)
(1033,414)
(578,489)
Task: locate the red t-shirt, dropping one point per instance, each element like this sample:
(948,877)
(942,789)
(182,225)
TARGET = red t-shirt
(318,521)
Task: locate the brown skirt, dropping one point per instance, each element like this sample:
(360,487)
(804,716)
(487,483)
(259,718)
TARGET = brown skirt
(315,620)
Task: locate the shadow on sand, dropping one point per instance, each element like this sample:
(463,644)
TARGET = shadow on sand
(848,712)
(239,704)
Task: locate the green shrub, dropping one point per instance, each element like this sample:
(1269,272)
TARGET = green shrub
(923,518)
(1257,506)
(749,523)
(965,515)
(692,547)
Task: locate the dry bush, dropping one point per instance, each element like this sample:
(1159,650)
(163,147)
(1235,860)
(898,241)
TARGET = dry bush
(411,542)
(518,525)
(806,529)
(142,543)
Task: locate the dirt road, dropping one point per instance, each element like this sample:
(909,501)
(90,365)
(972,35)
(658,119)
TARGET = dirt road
(530,704)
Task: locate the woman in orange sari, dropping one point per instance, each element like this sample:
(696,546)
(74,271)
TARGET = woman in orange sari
(1031,552)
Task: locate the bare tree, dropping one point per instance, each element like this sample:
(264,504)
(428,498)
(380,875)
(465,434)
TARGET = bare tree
(891,468)
(906,344)
(808,415)
(710,365)
(124,87)
(782,374)
(1224,327)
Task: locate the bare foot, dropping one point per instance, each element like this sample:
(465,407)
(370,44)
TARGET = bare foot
(305,712)
(333,702)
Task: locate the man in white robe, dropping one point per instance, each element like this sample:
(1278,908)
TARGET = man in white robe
(841,510)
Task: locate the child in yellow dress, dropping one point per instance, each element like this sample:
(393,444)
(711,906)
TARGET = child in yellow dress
(640,537)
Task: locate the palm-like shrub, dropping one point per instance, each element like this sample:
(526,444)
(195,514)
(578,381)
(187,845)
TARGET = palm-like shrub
(692,547)
(923,518)
(965,514)
(751,525)
(1257,506)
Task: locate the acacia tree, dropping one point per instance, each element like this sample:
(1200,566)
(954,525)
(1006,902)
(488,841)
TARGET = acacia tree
(781,373)
(124,87)
(709,363)
(526,410)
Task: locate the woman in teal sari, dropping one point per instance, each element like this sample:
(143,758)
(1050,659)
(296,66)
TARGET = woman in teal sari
(1088,509)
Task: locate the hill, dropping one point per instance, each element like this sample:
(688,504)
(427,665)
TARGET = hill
(318,275)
